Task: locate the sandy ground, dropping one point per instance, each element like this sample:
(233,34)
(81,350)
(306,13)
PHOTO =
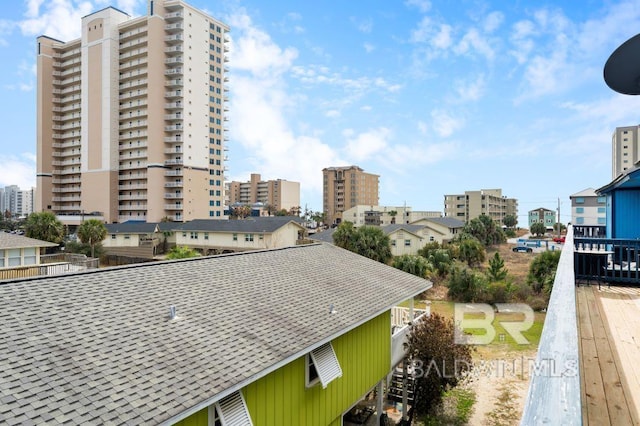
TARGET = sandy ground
(500,382)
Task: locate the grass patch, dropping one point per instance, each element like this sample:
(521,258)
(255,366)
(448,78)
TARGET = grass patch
(503,339)
(456,408)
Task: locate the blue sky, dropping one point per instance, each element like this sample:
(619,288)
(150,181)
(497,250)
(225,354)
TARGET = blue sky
(436,97)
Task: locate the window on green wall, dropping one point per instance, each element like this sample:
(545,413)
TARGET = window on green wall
(322,364)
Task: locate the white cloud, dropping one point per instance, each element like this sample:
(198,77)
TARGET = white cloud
(260,108)
(402,158)
(422,5)
(58,19)
(366,108)
(333,113)
(471,90)
(18,170)
(444,124)
(442,39)
(364,25)
(365,145)
(255,52)
(493,21)
(472,42)
(368,47)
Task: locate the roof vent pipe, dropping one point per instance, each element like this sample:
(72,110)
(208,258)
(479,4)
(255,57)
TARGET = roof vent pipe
(172,312)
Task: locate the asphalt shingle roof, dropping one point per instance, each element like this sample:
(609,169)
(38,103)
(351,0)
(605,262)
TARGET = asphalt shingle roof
(98,347)
(326,236)
(11,241)
(389,229)
(449,222)
(250,224)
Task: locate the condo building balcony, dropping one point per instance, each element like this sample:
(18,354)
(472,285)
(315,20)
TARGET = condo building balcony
(173,207)
(133,54)
(132,84)
(175,27)
(174,38)
(133,43)
(173,139)
(178,172)
(173,16)
(135,32)
(176,184)
(173,105)
(177,48)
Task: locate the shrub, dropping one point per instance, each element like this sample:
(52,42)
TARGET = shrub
(416,265)
(499,292)
(443,362)
(471,251)
(542,271)
(538,303)
(464,284)
(496,271)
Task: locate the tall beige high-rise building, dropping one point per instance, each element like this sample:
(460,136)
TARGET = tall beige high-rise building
(347,187)
(625,149)
(279,193)
(472,204)
(131,116)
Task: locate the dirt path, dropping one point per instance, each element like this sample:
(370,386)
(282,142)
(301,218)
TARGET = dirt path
(500,382)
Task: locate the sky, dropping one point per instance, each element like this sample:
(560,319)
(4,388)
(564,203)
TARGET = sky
(435,97)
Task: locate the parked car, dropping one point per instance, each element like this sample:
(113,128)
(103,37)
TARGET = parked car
(526,249)
(559,240)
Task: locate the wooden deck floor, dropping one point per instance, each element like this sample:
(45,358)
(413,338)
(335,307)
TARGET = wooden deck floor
(609,335)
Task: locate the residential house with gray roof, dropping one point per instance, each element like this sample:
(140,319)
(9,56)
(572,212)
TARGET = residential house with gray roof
(292,336)
(251,233)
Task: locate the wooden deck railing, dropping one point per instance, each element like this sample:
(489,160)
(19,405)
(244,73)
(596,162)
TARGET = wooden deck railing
(554,388)
(607,260)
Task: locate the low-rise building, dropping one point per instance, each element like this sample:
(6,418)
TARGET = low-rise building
(544,216)
(385,215)
(21,257)
(439,229)
(263,337)
(252,233)
(589,213)
(405,239)
(139,239)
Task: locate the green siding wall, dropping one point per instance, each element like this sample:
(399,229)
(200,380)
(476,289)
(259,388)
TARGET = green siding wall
(201,418)
(281,398)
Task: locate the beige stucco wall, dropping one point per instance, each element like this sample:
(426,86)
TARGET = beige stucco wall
(399,237)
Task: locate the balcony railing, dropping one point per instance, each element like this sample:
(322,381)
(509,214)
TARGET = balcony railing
(607,260)
(401,323)
(554,397)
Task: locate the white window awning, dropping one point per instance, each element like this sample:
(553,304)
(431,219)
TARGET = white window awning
(326,364)
(233,410)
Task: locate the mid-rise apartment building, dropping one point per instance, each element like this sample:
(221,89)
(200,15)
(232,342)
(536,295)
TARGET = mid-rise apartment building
(346,187)
(625,149)
(276,194)
(472,204)
(131,116)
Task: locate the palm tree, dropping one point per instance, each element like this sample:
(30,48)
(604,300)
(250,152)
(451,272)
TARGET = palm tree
(393,214)
(44,226)
(92,232)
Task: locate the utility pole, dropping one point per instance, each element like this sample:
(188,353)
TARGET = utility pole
(558,221)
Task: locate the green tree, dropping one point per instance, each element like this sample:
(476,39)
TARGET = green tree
(442,361)
(538,228)
(182,252)
(344,235)
(485,229)
(470,250)
(496,270)
(372,242)
(92,232)
(416,265)
(367,241)
(542,271)
(44,226)
(563,228)
(510,221)
(440,256)
(464,284)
